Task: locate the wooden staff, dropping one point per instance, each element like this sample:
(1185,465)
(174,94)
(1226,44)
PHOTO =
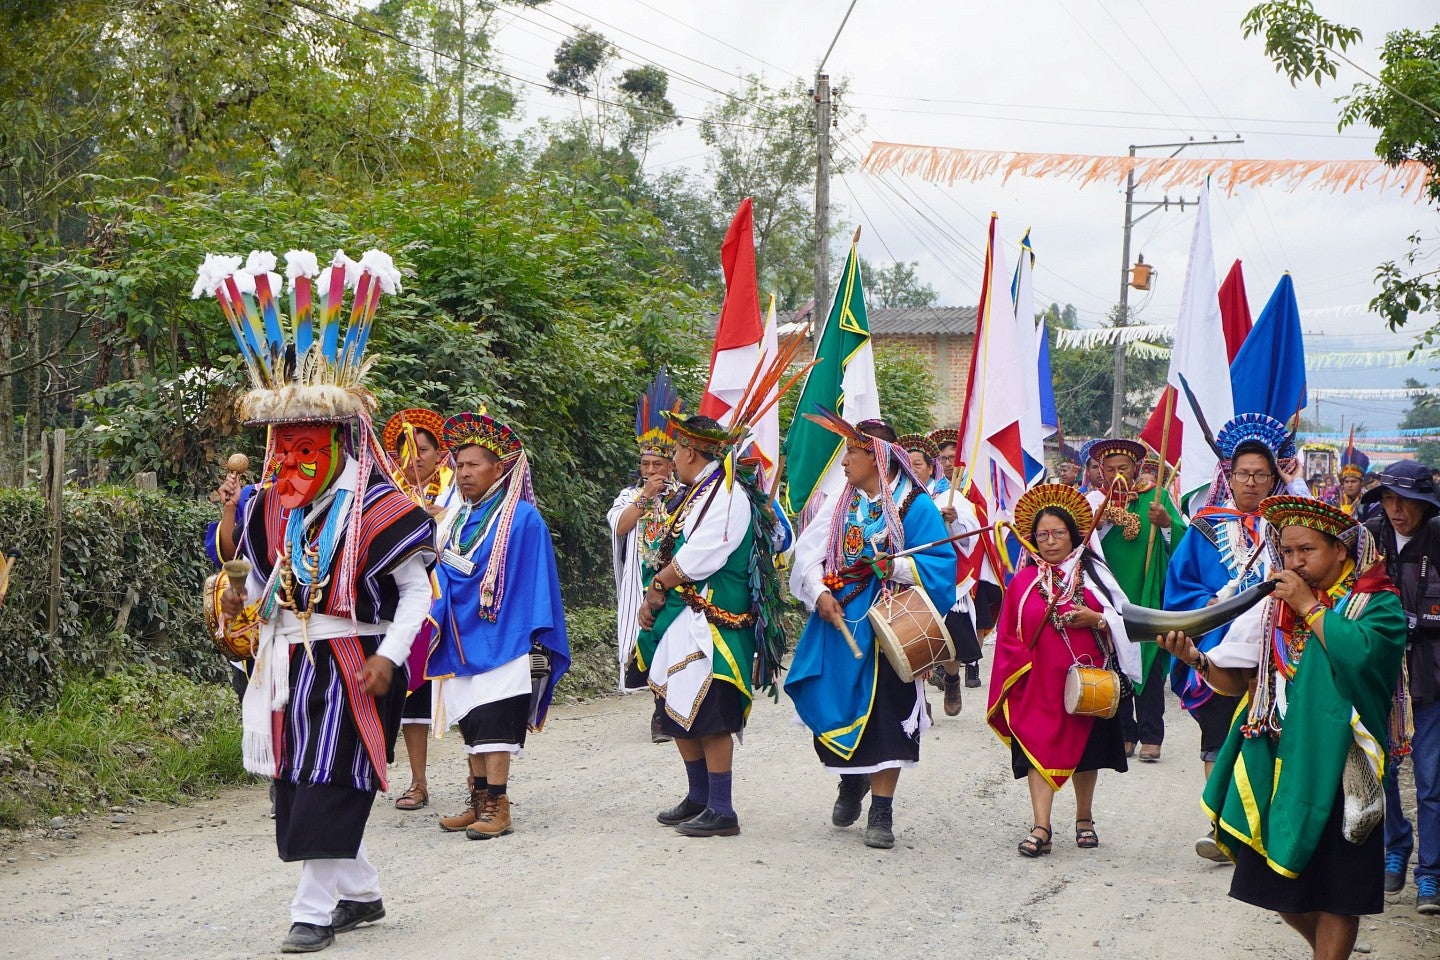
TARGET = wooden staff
(6,566)
(1164,462)
(844,629)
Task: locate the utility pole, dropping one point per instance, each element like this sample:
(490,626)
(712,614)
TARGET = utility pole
(823,119)
(1117,399)
(822,200)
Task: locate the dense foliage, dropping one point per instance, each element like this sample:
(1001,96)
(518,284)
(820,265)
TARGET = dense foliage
(1403,103)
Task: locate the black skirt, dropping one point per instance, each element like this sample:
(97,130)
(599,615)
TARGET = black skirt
(417,703)
(1104,750)
(501,722)
(319,821)
(1341,877)
(962,633)
(884,739)
(721,711)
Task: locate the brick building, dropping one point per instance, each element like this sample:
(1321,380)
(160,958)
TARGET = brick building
(943,336)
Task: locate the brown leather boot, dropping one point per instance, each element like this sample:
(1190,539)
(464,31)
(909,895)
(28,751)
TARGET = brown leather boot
(494,819)
(459,821)
(953,699)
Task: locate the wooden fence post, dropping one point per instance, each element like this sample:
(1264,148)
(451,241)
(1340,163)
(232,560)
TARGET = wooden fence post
(55,460)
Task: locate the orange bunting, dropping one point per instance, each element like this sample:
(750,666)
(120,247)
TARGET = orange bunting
(951,164)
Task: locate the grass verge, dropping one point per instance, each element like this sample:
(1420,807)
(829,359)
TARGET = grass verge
(138,734)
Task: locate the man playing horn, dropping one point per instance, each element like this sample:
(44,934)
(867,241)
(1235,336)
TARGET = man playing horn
(1295,791)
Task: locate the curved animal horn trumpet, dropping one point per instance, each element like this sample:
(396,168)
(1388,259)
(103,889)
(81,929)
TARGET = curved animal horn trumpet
(1145,623)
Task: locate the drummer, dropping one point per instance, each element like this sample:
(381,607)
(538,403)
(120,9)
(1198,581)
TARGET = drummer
(1057,614)
(959,516)
(865,718)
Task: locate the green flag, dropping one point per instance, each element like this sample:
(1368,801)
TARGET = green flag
(843,380)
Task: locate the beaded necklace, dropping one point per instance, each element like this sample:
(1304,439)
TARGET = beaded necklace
(317,557)
(466,546)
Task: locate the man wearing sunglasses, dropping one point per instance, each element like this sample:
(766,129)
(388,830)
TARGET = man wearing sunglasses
(1408,533)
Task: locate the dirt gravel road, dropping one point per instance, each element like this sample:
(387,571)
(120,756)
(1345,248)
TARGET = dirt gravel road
(588,872)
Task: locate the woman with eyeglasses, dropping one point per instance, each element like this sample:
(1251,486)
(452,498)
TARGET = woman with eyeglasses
(1059,611)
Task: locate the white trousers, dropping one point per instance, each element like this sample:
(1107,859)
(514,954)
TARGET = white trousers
(323,883)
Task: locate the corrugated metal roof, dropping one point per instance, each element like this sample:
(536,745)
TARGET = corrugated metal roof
(912,321)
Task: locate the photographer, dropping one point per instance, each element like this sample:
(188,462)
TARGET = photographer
(1407,531)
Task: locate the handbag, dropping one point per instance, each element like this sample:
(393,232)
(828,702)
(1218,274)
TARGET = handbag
(1364,797)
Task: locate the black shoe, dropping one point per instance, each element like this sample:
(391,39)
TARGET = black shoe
(879,828)
(307,938)
(657,735)
(972,674)
(686,809)
(349,914)
(710,824)
(853,788)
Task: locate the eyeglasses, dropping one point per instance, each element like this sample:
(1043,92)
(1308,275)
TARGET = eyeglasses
(1242,477)
(1423,484)
(1045,536)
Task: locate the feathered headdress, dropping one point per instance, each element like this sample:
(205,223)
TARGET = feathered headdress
(654,432)
(1353,463)
(301,371)
(306,373)
(883,451)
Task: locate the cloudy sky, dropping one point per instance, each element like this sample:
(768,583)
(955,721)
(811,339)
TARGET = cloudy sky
(1058,76)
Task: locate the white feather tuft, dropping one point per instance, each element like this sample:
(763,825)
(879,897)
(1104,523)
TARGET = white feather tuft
(260,261)
(352,269)
(212,273)
(300,263)
(379,264)
(245,283)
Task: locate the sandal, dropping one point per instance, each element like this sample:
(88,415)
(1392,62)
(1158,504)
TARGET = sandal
(1085,837)
(414,798)
(1031,845)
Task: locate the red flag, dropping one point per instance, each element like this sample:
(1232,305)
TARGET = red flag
(1234,311)
(1153,435)
(740,328)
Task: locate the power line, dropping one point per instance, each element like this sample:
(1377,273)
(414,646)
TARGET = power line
(731,46)
(377,31)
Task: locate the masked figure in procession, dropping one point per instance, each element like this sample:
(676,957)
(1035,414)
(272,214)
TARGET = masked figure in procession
(339,578)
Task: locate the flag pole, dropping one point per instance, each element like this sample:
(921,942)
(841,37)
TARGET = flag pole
(1160,477)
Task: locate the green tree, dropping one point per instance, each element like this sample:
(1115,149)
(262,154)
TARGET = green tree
(1403,103)
(896,285)
(763,146)
(1084,380)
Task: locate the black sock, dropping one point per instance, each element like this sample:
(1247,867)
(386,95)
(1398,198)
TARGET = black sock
(497,789)
(881,803)
(479,783)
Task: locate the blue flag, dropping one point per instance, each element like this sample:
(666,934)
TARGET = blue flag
(1268,374)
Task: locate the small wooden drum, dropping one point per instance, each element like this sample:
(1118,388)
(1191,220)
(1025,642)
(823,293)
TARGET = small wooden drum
(237,641)
(1092,692)
(911,632)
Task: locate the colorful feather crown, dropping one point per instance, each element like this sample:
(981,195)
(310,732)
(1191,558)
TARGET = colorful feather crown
(654,432)
(943,436)
(1255,428)
(919,441)
(1288,511)
(1060,496)
(415,418)
(1116,447)
(301,369)
(478,429)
